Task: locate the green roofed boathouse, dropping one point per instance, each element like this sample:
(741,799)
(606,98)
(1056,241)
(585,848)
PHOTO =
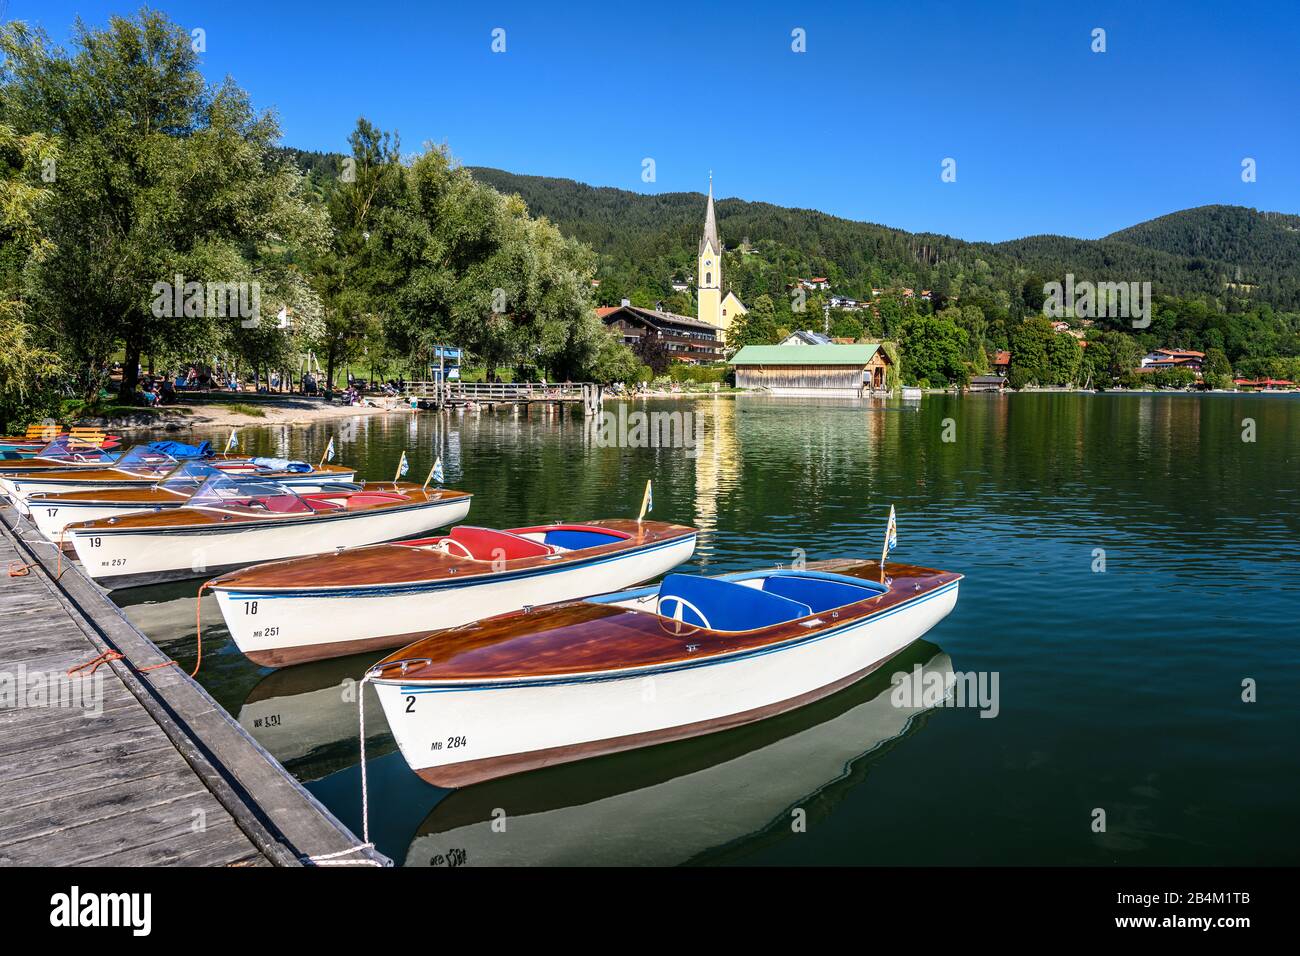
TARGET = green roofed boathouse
(819,370)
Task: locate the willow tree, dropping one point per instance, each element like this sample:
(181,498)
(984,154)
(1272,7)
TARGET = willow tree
(160,176)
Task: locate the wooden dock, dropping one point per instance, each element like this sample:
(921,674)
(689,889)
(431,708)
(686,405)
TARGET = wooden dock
(139,767)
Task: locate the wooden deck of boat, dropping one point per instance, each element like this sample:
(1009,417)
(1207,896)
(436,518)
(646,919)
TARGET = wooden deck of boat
(162,775)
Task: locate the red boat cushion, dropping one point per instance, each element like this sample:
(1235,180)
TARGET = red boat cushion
(488,544)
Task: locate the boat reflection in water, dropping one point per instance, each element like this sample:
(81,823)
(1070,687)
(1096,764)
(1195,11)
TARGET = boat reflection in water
(306,716)
(673,803)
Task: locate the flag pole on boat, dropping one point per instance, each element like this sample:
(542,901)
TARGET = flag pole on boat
(402,467)
(891,541)
(435,473)
(329,453)
(647,503)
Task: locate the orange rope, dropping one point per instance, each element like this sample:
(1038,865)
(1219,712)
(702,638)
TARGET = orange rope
(17,569)
(95,663)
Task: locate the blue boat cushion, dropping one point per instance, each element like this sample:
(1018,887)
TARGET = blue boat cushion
(577,540)
(818,593)
(726,605)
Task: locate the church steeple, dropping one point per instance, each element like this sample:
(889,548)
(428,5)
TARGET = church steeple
(708,295)
(710,236)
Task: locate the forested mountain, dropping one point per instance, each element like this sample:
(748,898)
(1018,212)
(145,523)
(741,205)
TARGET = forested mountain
(1235,255)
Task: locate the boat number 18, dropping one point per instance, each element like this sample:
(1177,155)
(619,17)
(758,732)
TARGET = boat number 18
(250,607)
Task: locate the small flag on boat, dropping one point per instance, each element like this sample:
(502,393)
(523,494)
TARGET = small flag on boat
(402,467)
(647,502)
(435,473)
(329,452)
(891,539)
(233,440)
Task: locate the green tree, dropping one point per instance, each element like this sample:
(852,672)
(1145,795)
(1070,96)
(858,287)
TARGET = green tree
(932,349)
(159,175)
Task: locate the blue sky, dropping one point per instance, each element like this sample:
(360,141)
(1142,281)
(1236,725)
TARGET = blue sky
(1047,135)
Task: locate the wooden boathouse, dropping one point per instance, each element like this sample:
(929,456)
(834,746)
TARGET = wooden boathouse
(831,370)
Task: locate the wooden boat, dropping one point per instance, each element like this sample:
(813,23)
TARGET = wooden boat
(52,512)
(689,803)
(143,466)
(230,522)
(387,595)
(687,657)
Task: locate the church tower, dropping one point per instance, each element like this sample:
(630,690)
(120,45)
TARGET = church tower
(709,265)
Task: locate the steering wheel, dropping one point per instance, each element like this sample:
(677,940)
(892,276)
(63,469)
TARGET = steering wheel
(681,603)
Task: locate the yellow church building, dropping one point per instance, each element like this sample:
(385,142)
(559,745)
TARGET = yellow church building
(713,306)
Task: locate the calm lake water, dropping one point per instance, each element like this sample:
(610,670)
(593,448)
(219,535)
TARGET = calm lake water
(1118,689)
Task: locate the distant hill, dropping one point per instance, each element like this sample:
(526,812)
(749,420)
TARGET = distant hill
(1231,254)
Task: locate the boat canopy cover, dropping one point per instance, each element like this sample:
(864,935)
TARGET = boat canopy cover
(181,451)
(247,494)
(282,464)
(188,476)
(70,449)
(144,458)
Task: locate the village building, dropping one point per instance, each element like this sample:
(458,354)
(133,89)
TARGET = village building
(828,369)
(987,383)
(684,338)
(806,337)
(1173,358)
(1001,363)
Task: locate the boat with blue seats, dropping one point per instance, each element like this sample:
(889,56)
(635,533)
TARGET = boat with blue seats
(689,656)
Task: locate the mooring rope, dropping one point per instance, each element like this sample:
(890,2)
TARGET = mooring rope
(332,859)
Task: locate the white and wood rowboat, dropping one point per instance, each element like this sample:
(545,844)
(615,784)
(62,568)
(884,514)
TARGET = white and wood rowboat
(687,657)
(51,513)
(229,523)
(388,595)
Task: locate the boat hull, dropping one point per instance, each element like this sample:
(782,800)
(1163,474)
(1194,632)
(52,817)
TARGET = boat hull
(456,733)
(129,557)
(294,626)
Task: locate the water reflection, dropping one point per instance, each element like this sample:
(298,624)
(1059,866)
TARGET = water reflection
(680,802)
(306,716)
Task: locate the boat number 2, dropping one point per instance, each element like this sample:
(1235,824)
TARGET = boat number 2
(250,607)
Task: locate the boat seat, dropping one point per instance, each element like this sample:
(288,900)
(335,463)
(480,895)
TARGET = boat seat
(818,593)
(284,504)
(726,606)
(575,539)
(488,544)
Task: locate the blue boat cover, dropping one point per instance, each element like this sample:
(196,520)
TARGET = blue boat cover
(282,464)
(181,451)
(726,605)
